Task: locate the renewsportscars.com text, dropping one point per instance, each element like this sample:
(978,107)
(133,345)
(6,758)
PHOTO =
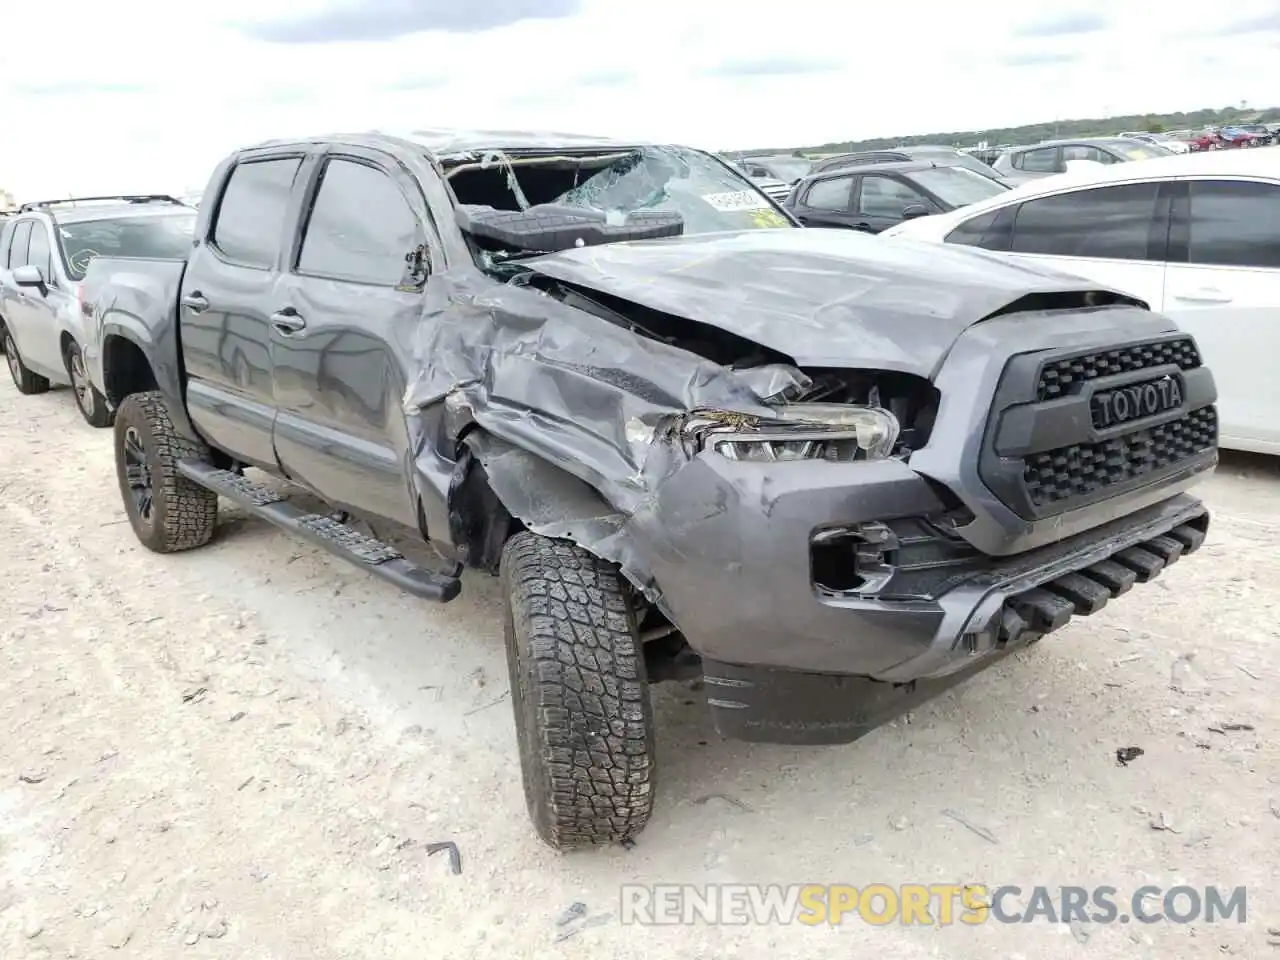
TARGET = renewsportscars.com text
(814,904)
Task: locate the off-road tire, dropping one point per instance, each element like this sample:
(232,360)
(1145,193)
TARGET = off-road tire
(183,513)
(99,413)
(584,723)
(27,382)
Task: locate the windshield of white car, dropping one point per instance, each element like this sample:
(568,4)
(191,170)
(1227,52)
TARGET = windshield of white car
(957,186)
(160,237)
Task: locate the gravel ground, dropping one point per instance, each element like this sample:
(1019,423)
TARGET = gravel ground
(244,752)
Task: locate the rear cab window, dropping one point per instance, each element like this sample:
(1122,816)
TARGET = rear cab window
(249,226)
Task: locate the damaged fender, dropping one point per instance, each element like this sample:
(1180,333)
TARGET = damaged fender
(552,502)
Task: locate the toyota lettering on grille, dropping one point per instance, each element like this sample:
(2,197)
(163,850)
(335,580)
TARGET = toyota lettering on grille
(1111,408)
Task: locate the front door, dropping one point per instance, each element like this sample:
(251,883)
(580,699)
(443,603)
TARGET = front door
(1224,288)
(41,346)
(229,290)
(881,201)
(342,336)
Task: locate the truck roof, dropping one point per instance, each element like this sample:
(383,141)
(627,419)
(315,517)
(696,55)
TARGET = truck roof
(446,143)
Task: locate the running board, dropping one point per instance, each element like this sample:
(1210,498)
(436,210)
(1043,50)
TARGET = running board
(365,552)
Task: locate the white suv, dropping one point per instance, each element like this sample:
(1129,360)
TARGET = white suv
(1196,236)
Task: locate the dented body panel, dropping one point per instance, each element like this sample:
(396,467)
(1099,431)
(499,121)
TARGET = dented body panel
(823,297)
(576,394)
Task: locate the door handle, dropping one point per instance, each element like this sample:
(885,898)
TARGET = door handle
(1204,295)
(287,321)
(195,302)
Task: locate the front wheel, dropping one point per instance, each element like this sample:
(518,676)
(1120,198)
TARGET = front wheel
(584,724)
(167,511)
(91,404)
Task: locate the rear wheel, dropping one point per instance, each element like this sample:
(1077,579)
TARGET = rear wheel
(167,511)
(93,405)
(27,382)
(583,719)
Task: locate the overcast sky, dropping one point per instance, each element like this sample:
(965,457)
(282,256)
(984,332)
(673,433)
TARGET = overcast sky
(146,95)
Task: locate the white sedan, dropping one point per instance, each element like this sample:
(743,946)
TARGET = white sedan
(1195,236)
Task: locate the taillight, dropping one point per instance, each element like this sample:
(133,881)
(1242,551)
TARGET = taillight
(86,309)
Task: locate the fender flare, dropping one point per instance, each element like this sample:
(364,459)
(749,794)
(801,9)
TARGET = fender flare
(166,375)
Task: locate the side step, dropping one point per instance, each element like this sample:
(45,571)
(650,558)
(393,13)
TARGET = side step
(371,555)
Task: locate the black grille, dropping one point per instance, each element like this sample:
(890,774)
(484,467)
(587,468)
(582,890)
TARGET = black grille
(1058,377)
(1086,469)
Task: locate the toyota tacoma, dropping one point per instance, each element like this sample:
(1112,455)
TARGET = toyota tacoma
(828,475)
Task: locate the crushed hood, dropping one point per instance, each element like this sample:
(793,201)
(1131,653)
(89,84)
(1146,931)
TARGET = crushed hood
(824,298)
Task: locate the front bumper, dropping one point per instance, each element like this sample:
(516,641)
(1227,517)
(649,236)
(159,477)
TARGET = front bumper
(733,550)
(787,660)
(772,705)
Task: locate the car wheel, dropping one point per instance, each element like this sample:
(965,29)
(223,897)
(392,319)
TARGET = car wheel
(27,382)
(93,405)
(584,724)
(167,511)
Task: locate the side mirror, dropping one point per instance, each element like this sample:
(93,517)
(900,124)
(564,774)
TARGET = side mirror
(30,276)
(915,210)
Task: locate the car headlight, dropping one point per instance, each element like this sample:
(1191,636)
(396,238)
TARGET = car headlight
(806,431)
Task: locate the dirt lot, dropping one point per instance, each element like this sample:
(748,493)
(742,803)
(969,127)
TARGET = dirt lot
(245,750)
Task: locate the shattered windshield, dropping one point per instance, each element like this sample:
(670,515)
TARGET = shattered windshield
(707,194)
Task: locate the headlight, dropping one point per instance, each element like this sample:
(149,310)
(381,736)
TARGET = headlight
(808,431)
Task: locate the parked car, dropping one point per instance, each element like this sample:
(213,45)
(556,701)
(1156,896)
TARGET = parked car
(1261,134)
(773,188)
(1170,143)
(941,156)
(771,457)
(1194,236)
(784,167)
(44,252)
(988,155)
(1020,164)
(1204,140)
(874,196)
(1239,136)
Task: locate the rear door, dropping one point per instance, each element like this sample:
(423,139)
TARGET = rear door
(342,334)
(880,201)
(826,202)
(1223,286)
(229,291)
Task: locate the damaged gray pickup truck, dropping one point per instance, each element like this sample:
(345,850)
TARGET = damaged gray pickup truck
(828,475)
